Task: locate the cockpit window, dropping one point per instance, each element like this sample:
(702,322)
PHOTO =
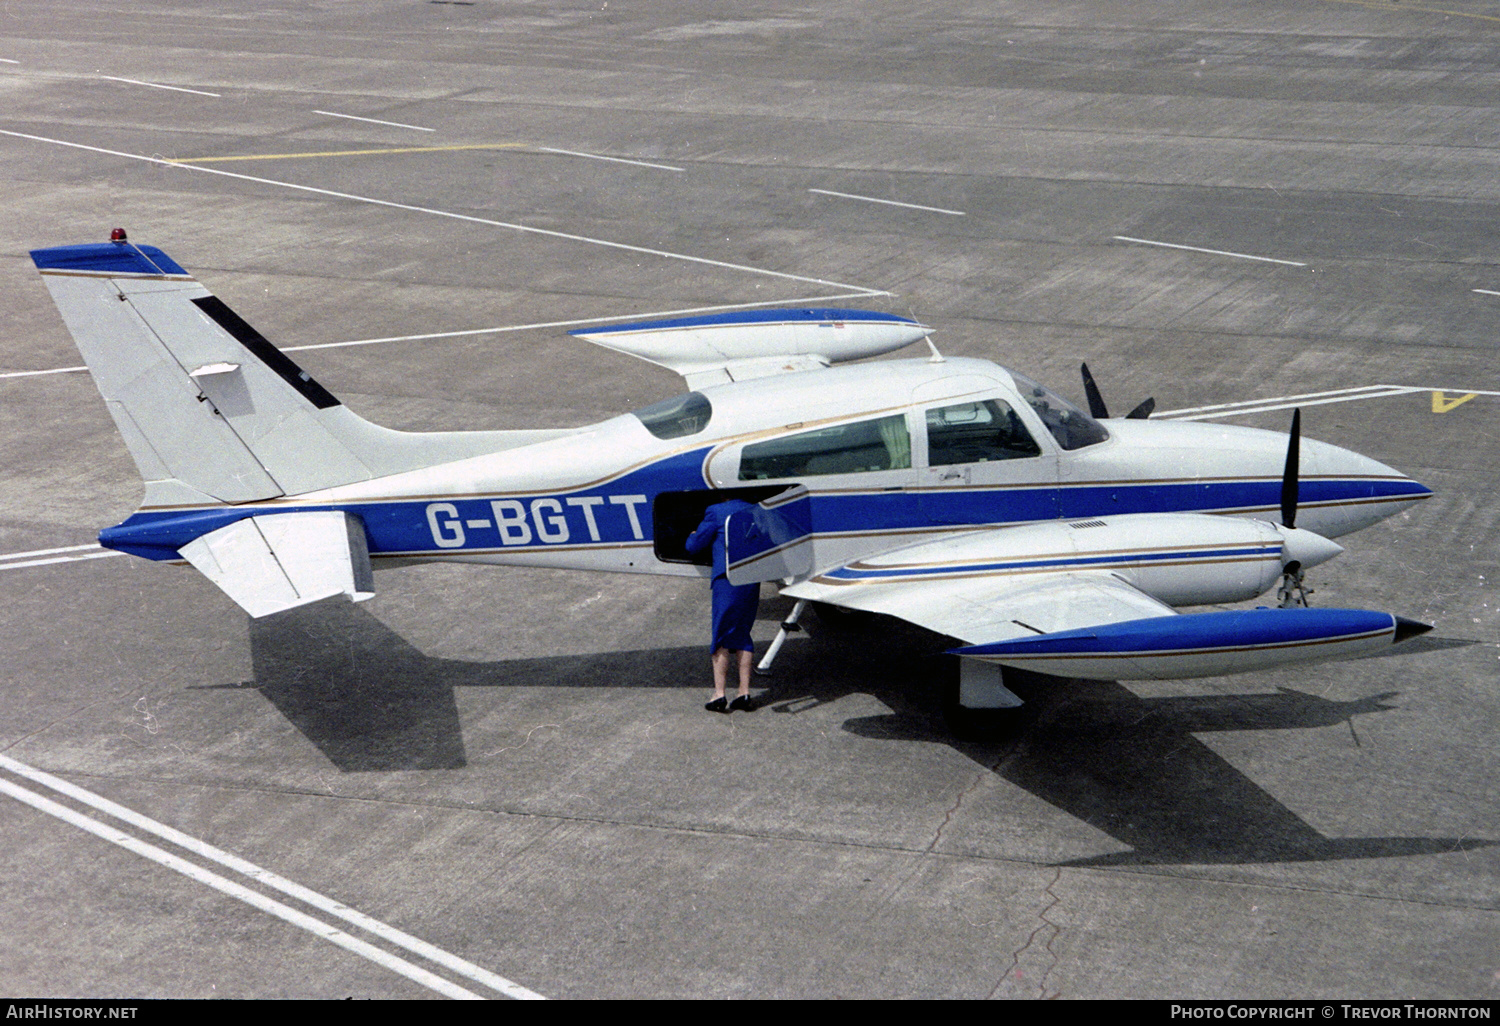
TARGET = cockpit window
(846,449)
(1070,426)
(677,417)
(977,433)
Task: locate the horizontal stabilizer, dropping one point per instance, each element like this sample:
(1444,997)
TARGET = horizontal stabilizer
(736,346)
(283,560)
(1200,644)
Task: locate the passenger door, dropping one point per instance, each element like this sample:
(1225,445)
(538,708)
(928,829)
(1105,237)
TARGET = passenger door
(981,459)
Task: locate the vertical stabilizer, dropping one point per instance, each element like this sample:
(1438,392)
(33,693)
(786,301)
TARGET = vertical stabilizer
(211,411)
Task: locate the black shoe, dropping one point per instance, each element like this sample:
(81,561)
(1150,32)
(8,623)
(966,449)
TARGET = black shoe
(717,705)
(742,703)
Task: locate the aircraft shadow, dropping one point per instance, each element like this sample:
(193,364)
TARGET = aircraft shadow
(371,701)
(1128,766)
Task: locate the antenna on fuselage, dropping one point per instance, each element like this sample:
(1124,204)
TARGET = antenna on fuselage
(936,356)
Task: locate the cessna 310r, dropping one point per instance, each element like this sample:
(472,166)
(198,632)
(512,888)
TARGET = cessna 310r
(952,493)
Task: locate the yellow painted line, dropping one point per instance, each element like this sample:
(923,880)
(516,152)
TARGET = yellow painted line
(344,153)
(1375,5)
(1442,404)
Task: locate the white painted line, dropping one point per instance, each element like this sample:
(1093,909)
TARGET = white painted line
(1257,402)
(1215,252)
(1485,292)
(7,60)
(658,315)
(374,121)
(666,254)
(49,552)
(889,203)
(314,926)
(1272,407)
(269,879)
(32,374)
(60,559)
(1287,402)
(158,85)
(617,160)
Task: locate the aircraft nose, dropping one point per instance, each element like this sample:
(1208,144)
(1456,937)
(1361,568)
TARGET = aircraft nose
(1367,490)
(1305,547)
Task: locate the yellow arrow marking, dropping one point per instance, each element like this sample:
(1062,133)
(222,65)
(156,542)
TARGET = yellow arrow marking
(347,153)
(1442,404)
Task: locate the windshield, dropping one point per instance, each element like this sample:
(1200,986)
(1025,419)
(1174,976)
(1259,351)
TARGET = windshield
(1070,426)
(677,417)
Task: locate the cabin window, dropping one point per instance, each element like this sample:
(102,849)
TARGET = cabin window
(1070,426)
(977,433)
(677,417)
(846,449)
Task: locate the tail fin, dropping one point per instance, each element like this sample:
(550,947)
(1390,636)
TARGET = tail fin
(211,411)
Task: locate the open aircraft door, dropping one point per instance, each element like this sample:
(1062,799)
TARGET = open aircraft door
(773,541)
(983,462)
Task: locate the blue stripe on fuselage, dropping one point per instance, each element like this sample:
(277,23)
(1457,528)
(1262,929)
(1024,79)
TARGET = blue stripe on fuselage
(601,514)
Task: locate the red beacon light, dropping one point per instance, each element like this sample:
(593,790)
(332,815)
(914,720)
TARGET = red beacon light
(117,235)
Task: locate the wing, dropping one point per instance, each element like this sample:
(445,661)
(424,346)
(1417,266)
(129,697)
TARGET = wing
(719,348)
(983,610)
(1094,598)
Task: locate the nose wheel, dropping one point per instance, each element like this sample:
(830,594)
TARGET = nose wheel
(1293,590)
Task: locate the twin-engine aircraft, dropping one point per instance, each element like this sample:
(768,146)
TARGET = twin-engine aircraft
(952,493)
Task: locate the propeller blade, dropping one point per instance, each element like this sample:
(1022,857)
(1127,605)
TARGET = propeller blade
(1289,475)
(1142,411)
(1097,409)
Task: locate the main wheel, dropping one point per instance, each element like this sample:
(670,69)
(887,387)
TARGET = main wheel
(837,618)
(968,724)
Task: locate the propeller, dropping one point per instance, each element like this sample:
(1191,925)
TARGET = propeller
(1289,485)
(1099,411)
(1293,592)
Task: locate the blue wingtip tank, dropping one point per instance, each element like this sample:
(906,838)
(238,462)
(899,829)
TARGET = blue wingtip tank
(1203,644)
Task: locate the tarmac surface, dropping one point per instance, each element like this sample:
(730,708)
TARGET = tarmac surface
(514,765)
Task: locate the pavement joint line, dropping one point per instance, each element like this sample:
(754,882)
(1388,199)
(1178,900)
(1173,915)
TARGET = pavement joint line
(1374,5)
(246,868)
(889,203)
(1215,252)
(158,85)
(617,160)
(374,121)
(392,204)
(1141,870)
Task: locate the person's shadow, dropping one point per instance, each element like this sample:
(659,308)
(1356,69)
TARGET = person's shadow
(1126,765)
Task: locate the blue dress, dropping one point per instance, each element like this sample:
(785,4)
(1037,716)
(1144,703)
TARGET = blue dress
(734,606)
